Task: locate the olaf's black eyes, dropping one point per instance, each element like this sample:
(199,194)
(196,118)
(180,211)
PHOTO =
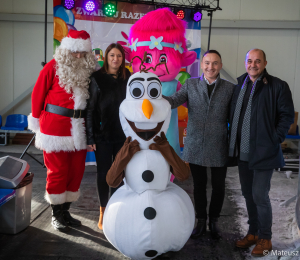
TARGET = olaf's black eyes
(154,90)
(137,90)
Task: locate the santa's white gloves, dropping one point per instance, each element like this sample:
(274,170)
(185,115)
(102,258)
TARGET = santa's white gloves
(33,123)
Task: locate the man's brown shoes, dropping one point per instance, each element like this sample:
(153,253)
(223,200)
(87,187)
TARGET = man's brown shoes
(262,248)
(247,241)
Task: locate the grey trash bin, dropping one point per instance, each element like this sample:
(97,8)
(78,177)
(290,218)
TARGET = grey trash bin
(15,214)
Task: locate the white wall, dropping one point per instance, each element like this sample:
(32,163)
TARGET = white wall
(25,6)
(283,10)
(282,46)
(22,49)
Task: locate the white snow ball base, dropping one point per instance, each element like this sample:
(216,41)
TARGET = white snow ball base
(143,226)
(153,173)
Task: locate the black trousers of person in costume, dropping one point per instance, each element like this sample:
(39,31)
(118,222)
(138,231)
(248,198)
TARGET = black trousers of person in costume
(105,155)
(218,175)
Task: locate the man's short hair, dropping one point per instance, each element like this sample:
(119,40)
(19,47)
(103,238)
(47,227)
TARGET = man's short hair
(213,51)
(264,54)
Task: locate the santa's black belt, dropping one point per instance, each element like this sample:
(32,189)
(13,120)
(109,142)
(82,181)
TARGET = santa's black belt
(65,111)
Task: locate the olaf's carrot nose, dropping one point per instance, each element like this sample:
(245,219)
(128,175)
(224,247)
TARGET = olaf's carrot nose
(147,108)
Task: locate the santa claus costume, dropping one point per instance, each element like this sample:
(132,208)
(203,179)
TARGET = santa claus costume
(58,109)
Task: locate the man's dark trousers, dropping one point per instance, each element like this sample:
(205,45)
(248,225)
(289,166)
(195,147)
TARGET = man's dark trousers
(218,175)
(256,185)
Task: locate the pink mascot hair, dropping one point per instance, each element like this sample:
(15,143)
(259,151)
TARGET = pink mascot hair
(161,22)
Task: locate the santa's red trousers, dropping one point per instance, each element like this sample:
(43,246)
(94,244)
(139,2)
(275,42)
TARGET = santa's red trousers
(64,174)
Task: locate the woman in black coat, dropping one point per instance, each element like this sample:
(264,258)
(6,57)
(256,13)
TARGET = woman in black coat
(103,128)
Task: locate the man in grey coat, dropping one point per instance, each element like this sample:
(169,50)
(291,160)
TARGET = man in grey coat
(208,99)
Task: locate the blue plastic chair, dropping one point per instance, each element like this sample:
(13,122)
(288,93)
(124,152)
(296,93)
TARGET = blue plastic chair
(296,136)
(90,158)
(16,122)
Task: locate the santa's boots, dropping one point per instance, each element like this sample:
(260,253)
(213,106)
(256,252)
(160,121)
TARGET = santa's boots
(58,221)
(100,223)
(67,216)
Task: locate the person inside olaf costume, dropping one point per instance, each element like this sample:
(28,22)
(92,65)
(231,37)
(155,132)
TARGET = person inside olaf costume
(58,105)
(149,215)
(206,144)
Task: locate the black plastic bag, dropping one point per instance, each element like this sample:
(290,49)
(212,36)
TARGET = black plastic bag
(26,180)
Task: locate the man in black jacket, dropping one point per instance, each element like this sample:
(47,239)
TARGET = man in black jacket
(261,113)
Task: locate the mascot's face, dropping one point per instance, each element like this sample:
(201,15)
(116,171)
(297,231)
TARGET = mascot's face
(155,57)
(144,113)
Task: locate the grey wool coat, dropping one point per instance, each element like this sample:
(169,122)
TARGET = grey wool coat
(206,143)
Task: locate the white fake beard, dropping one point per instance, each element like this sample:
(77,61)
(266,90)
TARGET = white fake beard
(74,73)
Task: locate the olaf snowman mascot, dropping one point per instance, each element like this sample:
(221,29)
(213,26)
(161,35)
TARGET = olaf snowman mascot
(149,215)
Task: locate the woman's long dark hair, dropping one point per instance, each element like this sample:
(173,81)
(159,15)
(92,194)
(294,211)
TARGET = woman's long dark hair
(122,69)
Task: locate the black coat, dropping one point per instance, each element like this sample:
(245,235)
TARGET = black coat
(272,113)
(102,120)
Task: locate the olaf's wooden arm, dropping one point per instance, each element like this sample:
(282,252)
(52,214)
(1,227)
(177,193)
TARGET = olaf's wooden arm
(116,173)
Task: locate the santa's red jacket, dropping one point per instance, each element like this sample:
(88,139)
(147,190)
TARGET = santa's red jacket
(54,132)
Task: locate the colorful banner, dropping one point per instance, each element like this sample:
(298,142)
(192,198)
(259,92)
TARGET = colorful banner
(106,30)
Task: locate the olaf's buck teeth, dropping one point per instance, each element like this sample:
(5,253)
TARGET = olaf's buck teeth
(145,126)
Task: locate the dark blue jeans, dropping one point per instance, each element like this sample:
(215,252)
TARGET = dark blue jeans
(256,185)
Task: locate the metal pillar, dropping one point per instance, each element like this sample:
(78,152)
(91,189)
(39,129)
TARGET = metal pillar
(45,54)
(209,33)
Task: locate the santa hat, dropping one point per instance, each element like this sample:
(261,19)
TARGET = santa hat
(77,41)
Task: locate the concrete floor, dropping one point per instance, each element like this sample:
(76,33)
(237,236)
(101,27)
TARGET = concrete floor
(41,241)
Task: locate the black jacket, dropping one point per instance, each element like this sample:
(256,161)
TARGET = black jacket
(102,120)
(272,113)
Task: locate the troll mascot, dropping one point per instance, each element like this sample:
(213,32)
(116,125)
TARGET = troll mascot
(162,35)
